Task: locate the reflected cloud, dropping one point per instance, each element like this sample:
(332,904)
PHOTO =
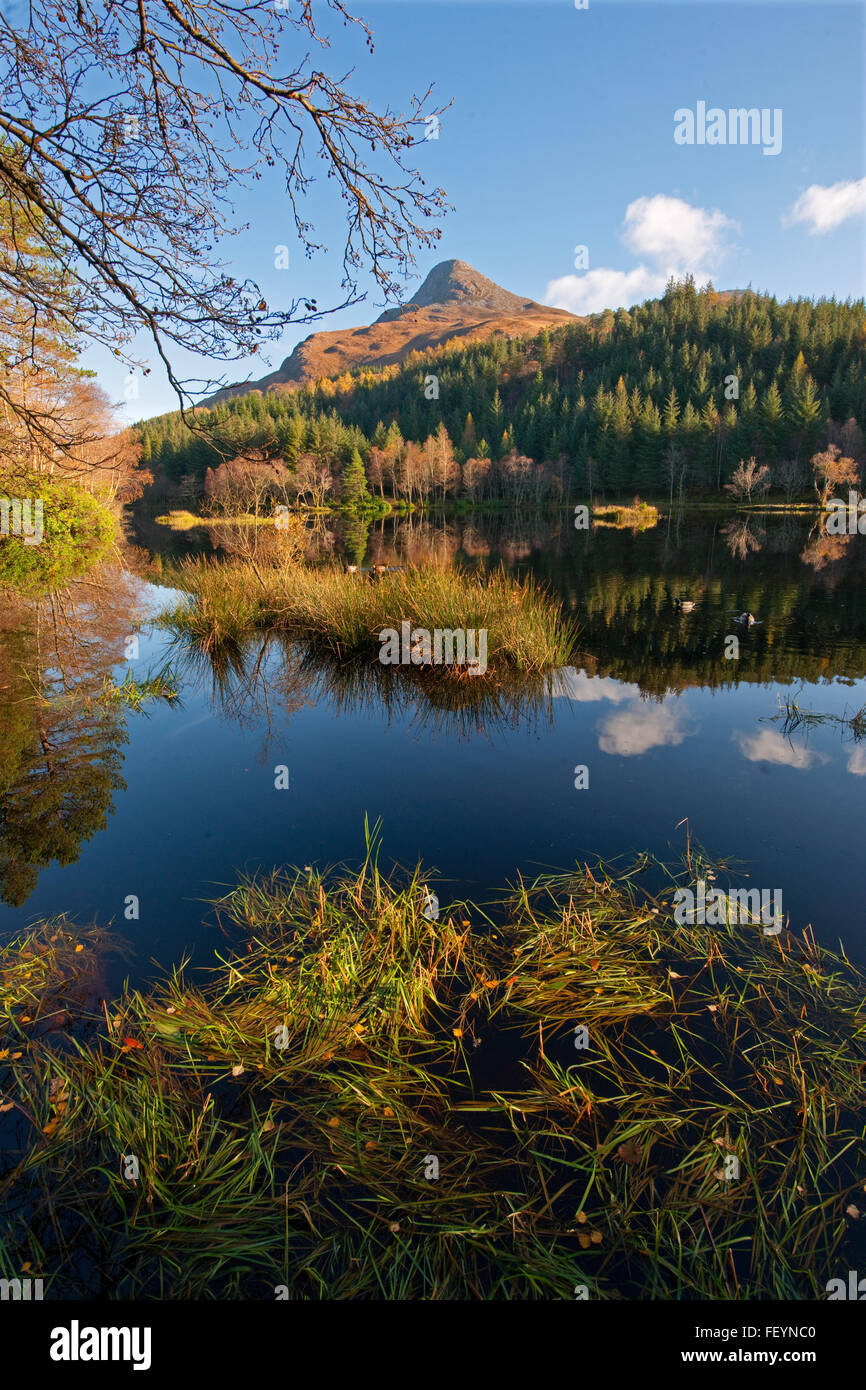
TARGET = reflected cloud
(577,685)
(634,731)
(857,762)
(770,747)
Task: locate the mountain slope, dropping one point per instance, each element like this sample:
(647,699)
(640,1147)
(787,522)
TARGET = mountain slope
(455,301)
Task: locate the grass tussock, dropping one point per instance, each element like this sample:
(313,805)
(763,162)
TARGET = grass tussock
(365,1101)
(639,516)
(343,614)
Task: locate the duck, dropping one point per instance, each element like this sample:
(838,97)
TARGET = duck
(684,605)
(747,618)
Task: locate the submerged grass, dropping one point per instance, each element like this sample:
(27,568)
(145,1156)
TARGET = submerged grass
(133,693)
(365,1101)
(792,717)
(343,614)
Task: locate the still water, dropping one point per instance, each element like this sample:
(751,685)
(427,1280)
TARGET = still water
(99,803)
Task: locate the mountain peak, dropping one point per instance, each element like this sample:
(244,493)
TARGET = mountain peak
(455,302)
(456,282)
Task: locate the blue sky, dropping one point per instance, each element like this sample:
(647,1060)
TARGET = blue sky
(561,134)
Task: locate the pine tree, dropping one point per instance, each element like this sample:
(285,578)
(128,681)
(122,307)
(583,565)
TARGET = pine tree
(354,492)
(671,412)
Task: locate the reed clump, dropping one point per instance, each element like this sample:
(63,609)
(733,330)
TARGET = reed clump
(366,1099)
(344,614)
(638,515)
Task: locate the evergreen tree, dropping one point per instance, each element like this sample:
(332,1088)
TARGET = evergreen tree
(354,492)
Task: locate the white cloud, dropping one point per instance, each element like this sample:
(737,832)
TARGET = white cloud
(577,685)
(857,762)
(604,289)
(644,726)
(823,209)
(671,236)
(770,747)
(673,233)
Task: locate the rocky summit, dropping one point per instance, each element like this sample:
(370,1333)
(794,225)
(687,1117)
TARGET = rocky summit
(454,302)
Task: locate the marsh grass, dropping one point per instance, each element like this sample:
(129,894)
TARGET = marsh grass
(792,717)
(284,1109)
(639,516)
(134,694)
(343,614)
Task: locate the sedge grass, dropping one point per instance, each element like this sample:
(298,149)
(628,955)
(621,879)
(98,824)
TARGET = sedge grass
(286,1109)
(343,614)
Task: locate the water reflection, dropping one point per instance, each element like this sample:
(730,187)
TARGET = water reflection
(60,741)
(478,777)
(276,676)
(804,587)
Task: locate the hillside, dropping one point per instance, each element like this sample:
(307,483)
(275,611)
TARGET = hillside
(455,301)
(665,397)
